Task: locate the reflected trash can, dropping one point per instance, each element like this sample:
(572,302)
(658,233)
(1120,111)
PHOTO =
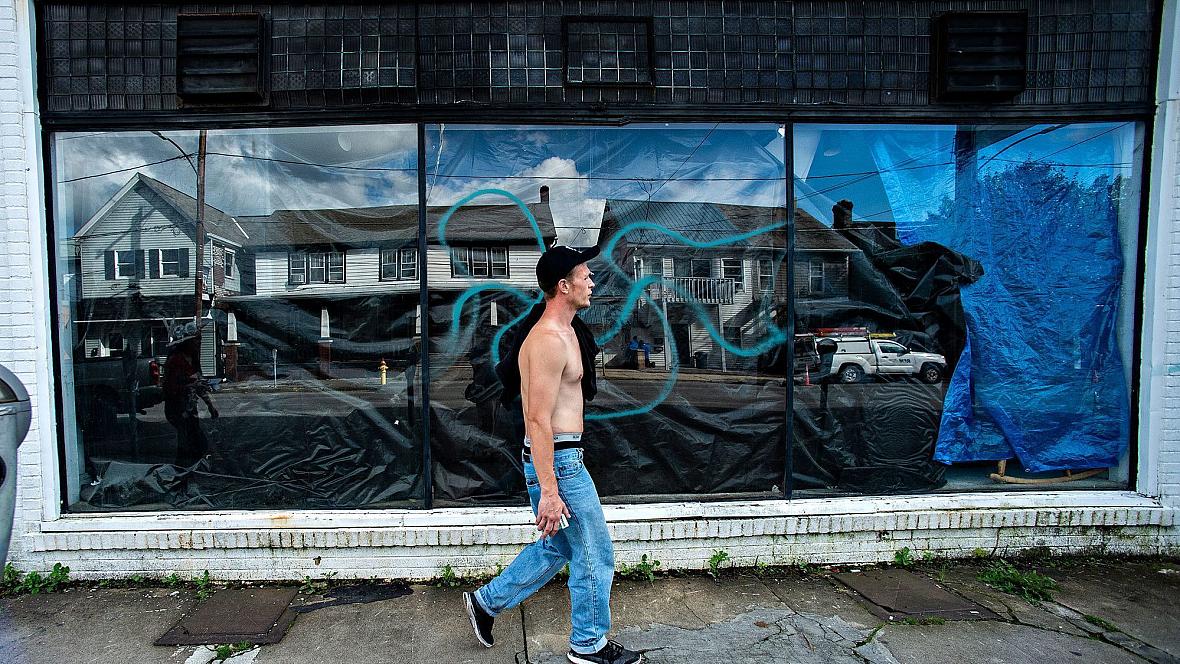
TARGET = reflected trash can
(15,417)
(701,359)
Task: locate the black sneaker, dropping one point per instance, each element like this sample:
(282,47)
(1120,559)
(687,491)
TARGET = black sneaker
(611,653)
(481,622)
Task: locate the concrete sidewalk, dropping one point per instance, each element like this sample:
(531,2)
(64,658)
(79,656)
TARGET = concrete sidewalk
(1106,610)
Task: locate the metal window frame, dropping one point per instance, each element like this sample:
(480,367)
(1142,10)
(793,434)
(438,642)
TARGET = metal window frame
(788,123)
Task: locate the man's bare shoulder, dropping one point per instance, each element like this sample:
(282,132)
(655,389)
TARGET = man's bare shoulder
(543,340)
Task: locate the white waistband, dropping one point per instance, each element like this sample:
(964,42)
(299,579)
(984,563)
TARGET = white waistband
(571,437)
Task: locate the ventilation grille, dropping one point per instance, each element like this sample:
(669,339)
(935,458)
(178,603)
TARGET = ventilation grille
(979,56)
(219,58)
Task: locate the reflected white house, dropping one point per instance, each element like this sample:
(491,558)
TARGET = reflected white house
(343,284)
(136,260)
(729,269)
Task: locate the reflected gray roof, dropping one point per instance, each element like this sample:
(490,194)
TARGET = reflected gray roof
(398,224)
(216,222)
(714,222)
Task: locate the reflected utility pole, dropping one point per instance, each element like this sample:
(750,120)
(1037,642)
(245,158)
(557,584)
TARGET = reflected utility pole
(200,232)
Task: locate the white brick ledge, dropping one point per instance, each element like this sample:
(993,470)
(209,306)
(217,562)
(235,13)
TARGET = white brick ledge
(629,523)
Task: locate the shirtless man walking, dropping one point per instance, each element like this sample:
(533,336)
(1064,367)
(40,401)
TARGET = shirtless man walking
(563,496)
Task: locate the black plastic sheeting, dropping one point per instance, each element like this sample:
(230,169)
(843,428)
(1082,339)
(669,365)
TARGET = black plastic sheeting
(880,437)
(281,450)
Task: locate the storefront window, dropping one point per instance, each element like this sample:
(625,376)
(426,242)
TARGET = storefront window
(963,296)
(691,392)
(298,387)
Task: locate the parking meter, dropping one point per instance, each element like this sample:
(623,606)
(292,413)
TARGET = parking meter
(15,417)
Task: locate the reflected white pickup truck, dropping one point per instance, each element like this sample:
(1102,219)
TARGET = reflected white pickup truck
(858,357)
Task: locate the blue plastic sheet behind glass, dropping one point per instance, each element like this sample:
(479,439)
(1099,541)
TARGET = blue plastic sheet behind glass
(1041,377)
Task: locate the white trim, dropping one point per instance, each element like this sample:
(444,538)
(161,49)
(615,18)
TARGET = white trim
(160,266)
(514,516)
(118,263)
(50,464)
(1154,369)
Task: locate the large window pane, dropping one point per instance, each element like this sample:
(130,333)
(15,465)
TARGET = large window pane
(296,322)
(964,297)
(691,389)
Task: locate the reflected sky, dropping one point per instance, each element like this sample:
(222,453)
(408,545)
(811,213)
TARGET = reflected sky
(256,171)
(857,162)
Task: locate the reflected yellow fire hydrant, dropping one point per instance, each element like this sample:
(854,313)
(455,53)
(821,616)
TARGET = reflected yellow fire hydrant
(384,370)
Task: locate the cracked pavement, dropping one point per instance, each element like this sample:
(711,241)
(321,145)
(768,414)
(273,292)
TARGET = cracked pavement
(1106,610)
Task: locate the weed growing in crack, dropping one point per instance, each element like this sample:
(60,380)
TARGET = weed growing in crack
(925,620)
(204,584)
(14,582)
(225,651)
(1031,585)
(448,578)
(904,558)
(644,570)
(872,635)
(1099,622)
(715,561)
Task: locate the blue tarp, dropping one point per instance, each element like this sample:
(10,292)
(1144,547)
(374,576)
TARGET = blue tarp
(1041,377)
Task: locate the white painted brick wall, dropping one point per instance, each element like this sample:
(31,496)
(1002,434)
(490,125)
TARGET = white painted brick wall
(1160,410)
(23,285)
(410,546)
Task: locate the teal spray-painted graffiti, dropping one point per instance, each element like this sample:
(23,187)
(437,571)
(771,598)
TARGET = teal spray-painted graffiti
(638,290)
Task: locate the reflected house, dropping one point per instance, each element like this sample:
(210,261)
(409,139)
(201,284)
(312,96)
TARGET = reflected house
(732,272)
(136,258)
(337,290)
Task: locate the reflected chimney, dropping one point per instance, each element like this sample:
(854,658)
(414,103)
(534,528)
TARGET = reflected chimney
(544,193)
(842,214)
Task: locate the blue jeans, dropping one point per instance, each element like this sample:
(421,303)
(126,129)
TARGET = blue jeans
(585,545)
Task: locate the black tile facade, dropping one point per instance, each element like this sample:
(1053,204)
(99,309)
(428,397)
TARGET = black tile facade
(103,57)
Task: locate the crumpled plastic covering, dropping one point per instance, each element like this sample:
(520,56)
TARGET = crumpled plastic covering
(1041,376)
(879,438)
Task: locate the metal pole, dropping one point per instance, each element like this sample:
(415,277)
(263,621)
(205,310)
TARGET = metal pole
(789,328)
(424,305)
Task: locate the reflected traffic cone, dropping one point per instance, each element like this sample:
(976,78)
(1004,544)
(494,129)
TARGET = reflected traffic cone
(807,376)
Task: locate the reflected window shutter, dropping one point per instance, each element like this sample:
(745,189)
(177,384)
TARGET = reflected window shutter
(139,266)
(184,261)
(154,263)
(108,258)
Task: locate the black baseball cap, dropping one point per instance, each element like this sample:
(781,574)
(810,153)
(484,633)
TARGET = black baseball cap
(557,262)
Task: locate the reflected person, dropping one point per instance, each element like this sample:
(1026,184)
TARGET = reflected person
(552,367)
(183,386)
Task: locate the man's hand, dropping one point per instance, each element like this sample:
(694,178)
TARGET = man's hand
(550,509)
